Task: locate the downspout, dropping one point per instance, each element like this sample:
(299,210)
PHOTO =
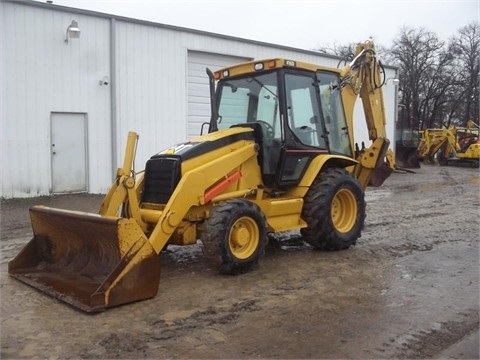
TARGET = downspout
(395,114)
(113,98)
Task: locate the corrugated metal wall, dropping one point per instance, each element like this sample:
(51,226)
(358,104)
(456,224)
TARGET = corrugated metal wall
(43,74)
(147,66)
(150,87)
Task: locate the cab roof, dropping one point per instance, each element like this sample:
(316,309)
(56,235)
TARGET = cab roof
(255,66)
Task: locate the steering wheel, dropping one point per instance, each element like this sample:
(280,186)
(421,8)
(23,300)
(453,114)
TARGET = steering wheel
(268,129)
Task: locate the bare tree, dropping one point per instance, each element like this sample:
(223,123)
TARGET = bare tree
(425,77)
(439,83)
(465,97)
(345,51)
(339,50)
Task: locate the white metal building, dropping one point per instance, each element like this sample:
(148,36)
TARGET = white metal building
(67,104)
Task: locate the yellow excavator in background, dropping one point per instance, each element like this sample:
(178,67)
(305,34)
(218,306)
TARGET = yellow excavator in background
(279,155)
(455,146)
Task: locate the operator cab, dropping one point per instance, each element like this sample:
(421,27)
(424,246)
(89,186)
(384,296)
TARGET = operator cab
(296,114)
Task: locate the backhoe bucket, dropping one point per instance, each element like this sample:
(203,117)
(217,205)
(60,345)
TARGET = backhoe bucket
(86,260)
(379,175)
(406,157)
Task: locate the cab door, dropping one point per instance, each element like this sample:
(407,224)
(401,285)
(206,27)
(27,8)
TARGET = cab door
(304,131)
(333,114)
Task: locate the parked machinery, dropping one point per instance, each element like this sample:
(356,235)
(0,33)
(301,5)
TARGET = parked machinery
(455,146)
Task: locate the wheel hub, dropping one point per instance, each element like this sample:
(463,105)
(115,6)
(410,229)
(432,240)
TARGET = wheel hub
(240,236)
(244,238)
(344,210)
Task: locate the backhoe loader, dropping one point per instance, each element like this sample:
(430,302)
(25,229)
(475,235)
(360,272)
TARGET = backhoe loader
(279,155)
(455,146)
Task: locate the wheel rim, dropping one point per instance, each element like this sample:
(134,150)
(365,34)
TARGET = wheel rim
(344,210)
(244,238)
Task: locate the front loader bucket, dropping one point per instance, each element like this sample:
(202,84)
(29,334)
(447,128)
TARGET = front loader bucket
(87,260)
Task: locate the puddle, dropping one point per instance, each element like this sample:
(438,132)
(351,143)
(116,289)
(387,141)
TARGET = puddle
(294,244)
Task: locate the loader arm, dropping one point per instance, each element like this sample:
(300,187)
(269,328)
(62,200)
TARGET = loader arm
(96,261)
(192,190)
(362,77)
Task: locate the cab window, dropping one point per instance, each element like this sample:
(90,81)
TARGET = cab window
(303,110)
(333,113)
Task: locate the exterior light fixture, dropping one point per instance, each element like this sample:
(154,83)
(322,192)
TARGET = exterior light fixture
(395,81)
(73,31)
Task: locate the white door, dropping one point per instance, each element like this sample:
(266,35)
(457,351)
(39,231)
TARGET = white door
(198,87)
(69,152)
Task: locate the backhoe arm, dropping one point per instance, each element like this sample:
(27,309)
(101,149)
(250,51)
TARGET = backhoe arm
(432,140)
(362,77)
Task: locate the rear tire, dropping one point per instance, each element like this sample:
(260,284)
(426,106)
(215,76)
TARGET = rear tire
(334,209)
(235,236)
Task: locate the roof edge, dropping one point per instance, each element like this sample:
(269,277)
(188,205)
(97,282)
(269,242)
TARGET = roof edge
(52,6)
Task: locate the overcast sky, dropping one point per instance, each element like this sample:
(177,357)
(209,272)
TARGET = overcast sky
(305,24)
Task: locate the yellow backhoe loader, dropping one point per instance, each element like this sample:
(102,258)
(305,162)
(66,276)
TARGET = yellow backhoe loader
(279,155)
(455,146)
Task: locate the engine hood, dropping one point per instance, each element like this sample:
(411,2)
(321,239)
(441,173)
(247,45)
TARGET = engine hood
(207,143)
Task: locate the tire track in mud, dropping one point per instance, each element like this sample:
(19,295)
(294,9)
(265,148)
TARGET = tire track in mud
(406,248)
(425,344)
(210,317)
(161,331)
(439,212)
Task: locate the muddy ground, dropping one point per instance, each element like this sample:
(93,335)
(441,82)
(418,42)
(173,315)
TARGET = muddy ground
(408,289)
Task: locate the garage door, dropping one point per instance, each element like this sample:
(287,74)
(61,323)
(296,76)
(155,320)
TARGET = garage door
(198,90)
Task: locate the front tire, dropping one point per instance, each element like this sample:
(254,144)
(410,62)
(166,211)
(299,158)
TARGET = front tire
(334,209)
(235,236)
